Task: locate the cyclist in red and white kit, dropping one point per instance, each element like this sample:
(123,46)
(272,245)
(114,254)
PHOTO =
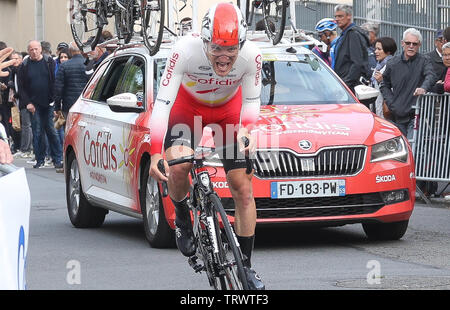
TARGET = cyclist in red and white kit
(211,79)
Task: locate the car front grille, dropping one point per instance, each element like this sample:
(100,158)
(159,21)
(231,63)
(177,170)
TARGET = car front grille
(325,163)
(356,204)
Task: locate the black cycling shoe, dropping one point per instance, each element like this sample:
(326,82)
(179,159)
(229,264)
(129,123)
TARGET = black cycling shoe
(254,280)
(184,235)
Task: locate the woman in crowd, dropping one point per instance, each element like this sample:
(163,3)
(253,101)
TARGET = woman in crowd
(385,49)
(63,56)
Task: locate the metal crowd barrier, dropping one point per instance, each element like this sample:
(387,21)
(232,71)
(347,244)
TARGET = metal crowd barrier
(431,139)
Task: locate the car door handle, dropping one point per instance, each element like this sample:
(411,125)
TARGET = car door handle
(82,124)
(106,130)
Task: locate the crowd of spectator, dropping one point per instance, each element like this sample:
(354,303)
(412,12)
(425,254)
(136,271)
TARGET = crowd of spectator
(42,87)
(358,55)
(37,90)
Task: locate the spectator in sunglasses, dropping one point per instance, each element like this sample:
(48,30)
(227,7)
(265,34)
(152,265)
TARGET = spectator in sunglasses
(407,76)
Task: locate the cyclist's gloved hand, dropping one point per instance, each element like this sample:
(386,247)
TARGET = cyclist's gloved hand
(155,172)
(250,147)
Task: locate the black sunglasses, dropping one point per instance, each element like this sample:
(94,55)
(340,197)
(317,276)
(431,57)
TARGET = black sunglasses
(411,43)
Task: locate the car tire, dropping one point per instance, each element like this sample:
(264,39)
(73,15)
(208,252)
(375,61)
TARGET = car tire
(157,231)
(81,213)
(385,231)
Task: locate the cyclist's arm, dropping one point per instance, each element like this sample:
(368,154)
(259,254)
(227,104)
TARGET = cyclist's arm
(168,90)
(251,101)
(251,92)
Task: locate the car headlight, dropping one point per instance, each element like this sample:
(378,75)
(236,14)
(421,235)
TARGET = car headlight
(393,149)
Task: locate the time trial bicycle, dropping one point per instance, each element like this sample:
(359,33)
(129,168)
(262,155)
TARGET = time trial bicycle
(218,252)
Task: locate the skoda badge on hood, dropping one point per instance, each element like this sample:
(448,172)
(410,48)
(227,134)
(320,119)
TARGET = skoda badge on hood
(305,145)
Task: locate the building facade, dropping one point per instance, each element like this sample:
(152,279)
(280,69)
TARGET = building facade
(48,20)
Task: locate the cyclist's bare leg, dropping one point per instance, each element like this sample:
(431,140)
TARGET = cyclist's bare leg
(178,185)
(179,174)
(241,189)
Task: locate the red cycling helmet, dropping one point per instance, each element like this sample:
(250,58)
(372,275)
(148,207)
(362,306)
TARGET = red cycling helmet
(224,25)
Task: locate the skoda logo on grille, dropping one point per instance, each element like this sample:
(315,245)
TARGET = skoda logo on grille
(305,145)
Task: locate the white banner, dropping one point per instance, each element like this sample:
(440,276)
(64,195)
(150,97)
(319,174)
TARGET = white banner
(14,228)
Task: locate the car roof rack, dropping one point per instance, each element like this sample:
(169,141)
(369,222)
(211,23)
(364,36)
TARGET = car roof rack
(115,44)
(291,37)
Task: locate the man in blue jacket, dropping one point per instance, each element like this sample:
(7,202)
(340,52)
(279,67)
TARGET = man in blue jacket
(70,81)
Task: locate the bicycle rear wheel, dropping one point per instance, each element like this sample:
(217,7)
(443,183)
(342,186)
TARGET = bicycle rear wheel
(231,267)
(86,23)
(124,22)
(274,14)
(152,20)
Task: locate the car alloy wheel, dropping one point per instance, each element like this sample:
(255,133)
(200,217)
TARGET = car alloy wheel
(152,202)
(74,187)
(81,213)
(157,230)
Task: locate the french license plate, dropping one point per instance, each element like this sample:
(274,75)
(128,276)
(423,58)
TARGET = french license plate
(307,189)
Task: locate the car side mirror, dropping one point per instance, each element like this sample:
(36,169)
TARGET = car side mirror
(125,102)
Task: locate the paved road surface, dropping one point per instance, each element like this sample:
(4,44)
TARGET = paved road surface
(117,255)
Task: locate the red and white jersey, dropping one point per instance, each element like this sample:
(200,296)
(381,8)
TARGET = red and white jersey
(189,67)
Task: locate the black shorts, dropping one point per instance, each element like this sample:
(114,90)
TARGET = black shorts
(230,157)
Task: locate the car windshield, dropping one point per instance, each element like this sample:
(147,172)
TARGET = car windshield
(300,80)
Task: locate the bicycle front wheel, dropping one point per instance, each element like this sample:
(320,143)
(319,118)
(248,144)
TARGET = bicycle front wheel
(86,23)
(152,20)
(274,14)
(230,260)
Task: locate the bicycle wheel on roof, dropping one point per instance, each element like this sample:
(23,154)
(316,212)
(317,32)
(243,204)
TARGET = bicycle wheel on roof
(274,14)
(152,20)
(124,21)
(86,22)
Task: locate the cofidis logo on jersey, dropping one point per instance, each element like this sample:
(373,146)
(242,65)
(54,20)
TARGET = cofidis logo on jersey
(210,81)
(171,66)
(258,69)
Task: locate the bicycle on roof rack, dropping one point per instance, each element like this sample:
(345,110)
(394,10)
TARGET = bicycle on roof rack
(143,17)
(217,249)
(273,14)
